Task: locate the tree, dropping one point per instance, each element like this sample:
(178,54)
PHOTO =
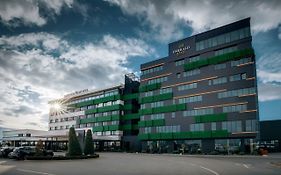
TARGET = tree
(39,148)
(89,146)
(74,148)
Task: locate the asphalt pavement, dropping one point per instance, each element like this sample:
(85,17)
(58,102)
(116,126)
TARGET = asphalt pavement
(142,164)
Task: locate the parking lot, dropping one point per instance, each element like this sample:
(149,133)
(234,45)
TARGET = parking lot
(139,164)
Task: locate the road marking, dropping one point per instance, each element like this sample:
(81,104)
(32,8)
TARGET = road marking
(246,166)
(1,162)
(212,171)
(31,171)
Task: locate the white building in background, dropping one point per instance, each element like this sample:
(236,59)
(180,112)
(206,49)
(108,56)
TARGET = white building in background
(23,137)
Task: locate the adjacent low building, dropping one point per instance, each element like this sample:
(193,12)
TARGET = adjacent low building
(111,113)
(23,137)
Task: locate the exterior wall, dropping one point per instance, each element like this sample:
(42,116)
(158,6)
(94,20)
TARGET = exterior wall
(188,119)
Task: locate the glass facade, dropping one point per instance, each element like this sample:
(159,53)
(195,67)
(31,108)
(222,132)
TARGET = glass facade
(223,39)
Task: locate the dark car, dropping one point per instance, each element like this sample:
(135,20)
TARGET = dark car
(21,153)
(5,151)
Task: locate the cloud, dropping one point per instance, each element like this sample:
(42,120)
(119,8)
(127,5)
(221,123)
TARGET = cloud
(268,68)
(38,67)
(269,76)
(165,17)
(279,35)
(268,92)
(30,12)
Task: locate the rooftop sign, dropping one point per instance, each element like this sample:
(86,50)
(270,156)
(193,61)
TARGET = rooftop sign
(180,49)
(76,93)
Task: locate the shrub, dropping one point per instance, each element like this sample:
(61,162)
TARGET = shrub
(39,148)
(89,146)
(74,148)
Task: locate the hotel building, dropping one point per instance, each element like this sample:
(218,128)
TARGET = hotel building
(203,95)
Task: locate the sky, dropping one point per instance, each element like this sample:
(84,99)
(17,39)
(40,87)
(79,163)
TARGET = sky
(54,47)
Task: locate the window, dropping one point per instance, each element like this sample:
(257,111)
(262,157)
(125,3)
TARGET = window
(235,108)
(154,69)
(216,81)
(238,77)
(197,112)
(157,116)
(178,75)
(194,59)
(168,129)
(165,90)
(173,115)
(225,50)
(147,130)
(190,99)
(187,86)
(224,38)
(148,94)
(232,126)
(191,73)
(157,104)
(241,61)
(197,127)
(179,62)
(238,92)
(251,125)
(157,80)
(220,66)
(213,126)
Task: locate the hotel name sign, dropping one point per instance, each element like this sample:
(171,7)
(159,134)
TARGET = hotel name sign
(76,93)
(182,48)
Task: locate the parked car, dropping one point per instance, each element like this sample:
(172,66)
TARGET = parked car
(22,152)
(5,151)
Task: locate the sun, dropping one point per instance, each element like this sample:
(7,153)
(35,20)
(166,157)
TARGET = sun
(57,106)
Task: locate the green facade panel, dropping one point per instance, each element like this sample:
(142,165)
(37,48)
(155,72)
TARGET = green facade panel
(109,108)
(220,133)
(166,136)
(115,117)
(210,118)
(130,96)
(145,111)
(85,103)
(158,122)
(128,107)
(155,136)
(149,87)
(129,127)
(219,59)
(97,101)
(91,111)
(103,118)
(131,116)
(156,98)
(113,128)
(97,128)
(164,109)
(87,120)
